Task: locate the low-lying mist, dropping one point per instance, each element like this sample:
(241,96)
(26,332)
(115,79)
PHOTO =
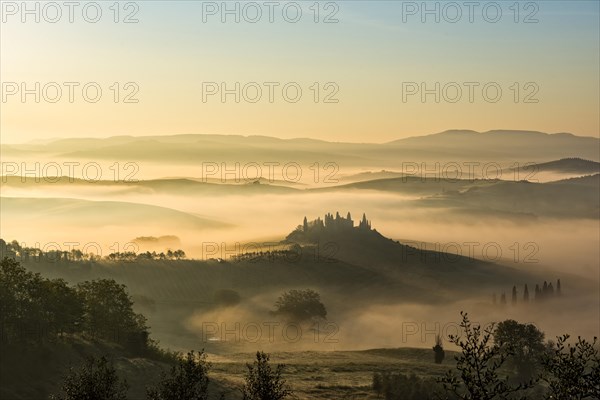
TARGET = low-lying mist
(351,326)
(565,245)
(104,219)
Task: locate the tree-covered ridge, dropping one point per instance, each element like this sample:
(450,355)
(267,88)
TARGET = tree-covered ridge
(312,231)
(507,360)
(16,251)
(34,309)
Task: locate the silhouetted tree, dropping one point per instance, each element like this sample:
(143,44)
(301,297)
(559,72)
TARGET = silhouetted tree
(503,298)
(573,372)
(40,305)
(438,350)
(526,294)
(514,296)
(526,346)
(305,225)
(179,254)
(558,292)
(300,305)
(364,223)
(478,365)
(188,380)
(262,382)
(109,314)
(97,379)
(64,308)
(18,301)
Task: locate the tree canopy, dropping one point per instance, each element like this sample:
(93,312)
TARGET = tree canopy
(35,309)
(300,305)
(526,345)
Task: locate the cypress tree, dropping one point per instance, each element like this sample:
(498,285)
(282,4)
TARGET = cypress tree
(438,350)
(545,289)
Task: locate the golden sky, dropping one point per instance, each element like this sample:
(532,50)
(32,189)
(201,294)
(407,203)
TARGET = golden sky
(362,74)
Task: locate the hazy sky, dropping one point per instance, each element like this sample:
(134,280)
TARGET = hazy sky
(373,61)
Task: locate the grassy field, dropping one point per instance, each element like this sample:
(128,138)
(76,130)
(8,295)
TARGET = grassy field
(331,375)
(310,374)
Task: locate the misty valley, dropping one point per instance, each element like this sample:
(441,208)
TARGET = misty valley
(299,200)
(352,272)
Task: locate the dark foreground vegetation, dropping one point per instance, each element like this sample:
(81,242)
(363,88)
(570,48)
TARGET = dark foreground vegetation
(44,321)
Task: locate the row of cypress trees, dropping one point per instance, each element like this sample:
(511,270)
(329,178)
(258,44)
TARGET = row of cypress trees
(546,291)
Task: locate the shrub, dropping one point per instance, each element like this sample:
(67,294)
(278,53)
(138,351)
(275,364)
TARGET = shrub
(188,380)
(264,383)
(97,379)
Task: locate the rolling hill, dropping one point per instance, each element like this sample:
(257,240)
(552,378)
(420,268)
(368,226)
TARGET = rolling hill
(577,197)
(174,186)
(353,268)
(455,145)
(97,214)
(567,165)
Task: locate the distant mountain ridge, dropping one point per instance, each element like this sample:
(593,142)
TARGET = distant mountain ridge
(522,143)
(449,145)
(496,133)
(224,138)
